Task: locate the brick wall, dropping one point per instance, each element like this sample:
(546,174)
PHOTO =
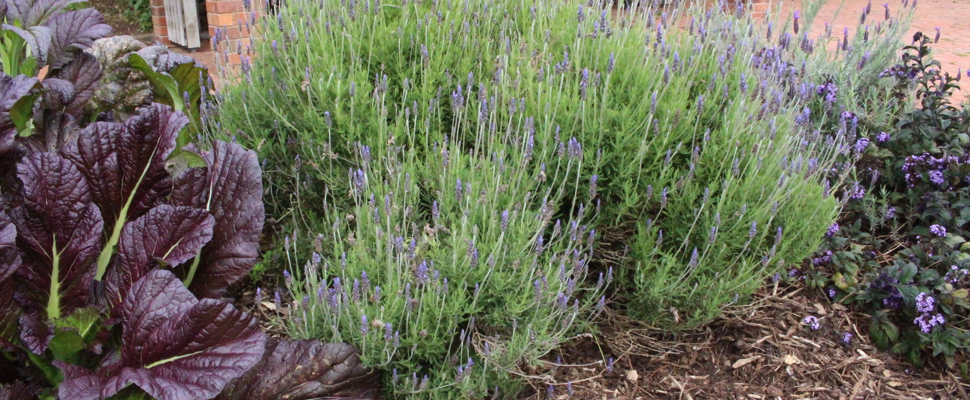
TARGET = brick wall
(229,26)
(159,23)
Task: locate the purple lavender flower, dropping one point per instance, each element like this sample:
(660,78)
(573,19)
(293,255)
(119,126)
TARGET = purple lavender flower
(421,275)
(505,220)
(938,230)
(812,322)
(575,149)
(861,144)
(882,137)
(846,338)
(355,290)
(797,16)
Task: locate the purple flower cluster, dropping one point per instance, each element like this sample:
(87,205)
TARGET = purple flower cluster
(833,229)
(882,137)
(890,213)
(824,259)
(857,191)
(938,230)
(846,338)
(900,72)
(935,165)
(925,303)
(955,274)
(828,90)
(861,144)
(886,284)
(812,322)
(937,177)
(927,322)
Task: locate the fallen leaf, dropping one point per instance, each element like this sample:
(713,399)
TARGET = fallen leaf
(894,384)
(819,309)
(790,359)
(744,361)
(269,306)
(632,375)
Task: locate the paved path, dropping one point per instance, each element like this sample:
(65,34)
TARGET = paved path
(951,16)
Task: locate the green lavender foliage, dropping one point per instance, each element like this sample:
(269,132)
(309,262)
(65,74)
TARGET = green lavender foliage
(546,110)
(466,292)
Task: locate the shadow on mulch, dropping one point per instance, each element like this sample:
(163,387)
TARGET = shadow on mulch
(756,351)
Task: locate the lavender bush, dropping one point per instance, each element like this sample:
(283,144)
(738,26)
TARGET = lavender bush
(471,158)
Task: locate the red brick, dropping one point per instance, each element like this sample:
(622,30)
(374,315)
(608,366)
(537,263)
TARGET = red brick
(160,30)
(224,6)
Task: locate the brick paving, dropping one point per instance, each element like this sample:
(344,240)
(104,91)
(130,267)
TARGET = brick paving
(953,50)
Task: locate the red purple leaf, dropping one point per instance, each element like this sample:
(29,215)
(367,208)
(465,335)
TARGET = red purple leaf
(231,189)
(166,233)
(305,369)
(9,255)
(75,30)
(173,346)
(35,12)
(9,263)
(85,73)
(36,332)
(126,162)
(16,391)
(59,235)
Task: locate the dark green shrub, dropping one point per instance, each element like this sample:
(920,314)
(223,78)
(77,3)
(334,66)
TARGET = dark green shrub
(907,219)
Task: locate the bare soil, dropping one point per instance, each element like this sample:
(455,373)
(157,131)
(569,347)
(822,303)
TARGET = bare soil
(114,15)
